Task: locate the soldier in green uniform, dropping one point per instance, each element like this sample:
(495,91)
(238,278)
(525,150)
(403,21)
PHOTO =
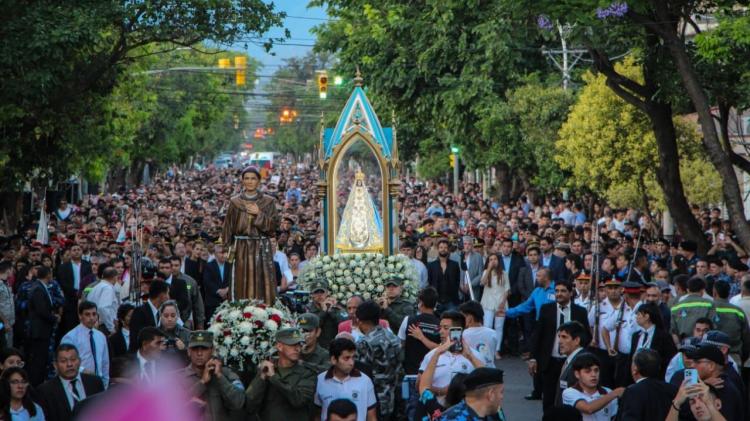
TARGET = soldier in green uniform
(690,308)
(313,355)
(218,389)
(381,350)
(327,310)
(395,307)
(731,320)
(283,391)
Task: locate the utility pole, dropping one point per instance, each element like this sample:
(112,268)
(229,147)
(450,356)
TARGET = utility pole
(565,59)
(454,151)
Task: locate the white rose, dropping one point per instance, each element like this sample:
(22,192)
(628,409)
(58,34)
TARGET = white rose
(234,353)
(228,340)
(271,325)
(380,288)
(366,295)
(245,341)
(352,287)
(245,327)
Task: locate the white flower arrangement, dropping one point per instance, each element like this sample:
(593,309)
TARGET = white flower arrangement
(360,274)
(244,329)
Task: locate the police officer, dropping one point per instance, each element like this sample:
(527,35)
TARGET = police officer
(731,320)
(216,389)
(313,354)
(691,307)
(327,310)
(283,391)
(395,307)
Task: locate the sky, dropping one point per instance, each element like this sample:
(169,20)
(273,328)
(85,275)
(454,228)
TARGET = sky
(299,22)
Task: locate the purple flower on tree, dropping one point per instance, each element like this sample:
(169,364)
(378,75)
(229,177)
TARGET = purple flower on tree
(615,10)
(543,22)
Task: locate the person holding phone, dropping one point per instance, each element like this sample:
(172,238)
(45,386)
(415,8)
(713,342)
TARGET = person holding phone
(216,390)
(452,361)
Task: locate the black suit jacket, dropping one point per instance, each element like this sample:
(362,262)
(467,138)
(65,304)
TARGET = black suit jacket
(661,343)
(116,345)
(142,317)
(545,331)
(446,283)
(54,402)
(516,263)
(568,377)
(524,285)
(67,284)
(178,291)
(212,282)
(647,400)
(41,317)
(194,268)
(556,268)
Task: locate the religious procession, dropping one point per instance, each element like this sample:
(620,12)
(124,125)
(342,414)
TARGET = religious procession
(345,210)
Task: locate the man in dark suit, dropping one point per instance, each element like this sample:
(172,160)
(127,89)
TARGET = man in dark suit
(649,398)
(59,396)
(69,276)
(545,351)
(178,290)
(512,265)
(42,321)
(194,264)
(147,314)
(444,275)
(555,264)
(217,277)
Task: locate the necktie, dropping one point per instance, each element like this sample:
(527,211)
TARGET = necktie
(562,316)
(74,392)
(645,339)
(93,351)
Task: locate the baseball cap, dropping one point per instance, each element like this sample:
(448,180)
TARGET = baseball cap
(707,352)
(290,336)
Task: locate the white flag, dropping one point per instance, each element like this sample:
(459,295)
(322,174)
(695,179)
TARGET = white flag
(42,231)
(121,235)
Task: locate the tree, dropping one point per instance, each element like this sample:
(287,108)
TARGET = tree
(659,27)
(610,148)
(444,69)
(60,61)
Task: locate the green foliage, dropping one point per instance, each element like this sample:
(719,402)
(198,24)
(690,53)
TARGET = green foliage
(609,148)
(444,68)
(61,61)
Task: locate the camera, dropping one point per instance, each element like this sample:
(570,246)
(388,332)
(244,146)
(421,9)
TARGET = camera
(171,342)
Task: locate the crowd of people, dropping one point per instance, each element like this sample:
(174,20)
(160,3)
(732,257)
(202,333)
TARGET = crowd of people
(613,321)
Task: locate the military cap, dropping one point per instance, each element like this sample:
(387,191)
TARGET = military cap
(716,338)
(478,242)
(632,287)
(290,336)
(397,280)
(483,377)
(583,276)
(318,284)
(613,281)
(201,338)
(308,321)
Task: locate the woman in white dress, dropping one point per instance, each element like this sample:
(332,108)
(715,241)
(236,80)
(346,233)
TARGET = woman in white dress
(496,289)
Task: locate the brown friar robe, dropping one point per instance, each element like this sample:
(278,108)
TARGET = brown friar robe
(254,276)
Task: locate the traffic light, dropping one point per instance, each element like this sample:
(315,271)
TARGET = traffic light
(453,160)
(240,64)
(287,115)
(323,85)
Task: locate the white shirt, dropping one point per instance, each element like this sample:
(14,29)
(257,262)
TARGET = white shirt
(605,308)
(566,314)
(126,335)
(626,329)
(283,262)
(484,341)
(80,337)
(107,300)
(147,375)
(422,271)
(154,311)
(358,389)
(448,365)
(572,395)
(68,388)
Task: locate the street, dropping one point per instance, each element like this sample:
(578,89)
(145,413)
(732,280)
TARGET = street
(518,385)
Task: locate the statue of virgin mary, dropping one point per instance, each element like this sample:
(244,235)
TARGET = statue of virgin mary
(361,227)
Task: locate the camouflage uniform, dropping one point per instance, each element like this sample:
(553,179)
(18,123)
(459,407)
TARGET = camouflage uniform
(397,311)
(380,349)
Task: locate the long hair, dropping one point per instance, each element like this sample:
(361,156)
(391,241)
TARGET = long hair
(5,393)
(498,269)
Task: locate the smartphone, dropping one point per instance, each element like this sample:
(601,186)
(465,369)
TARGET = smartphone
(691,376)
(455,338)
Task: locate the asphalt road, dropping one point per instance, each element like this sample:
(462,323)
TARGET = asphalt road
(517,385)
